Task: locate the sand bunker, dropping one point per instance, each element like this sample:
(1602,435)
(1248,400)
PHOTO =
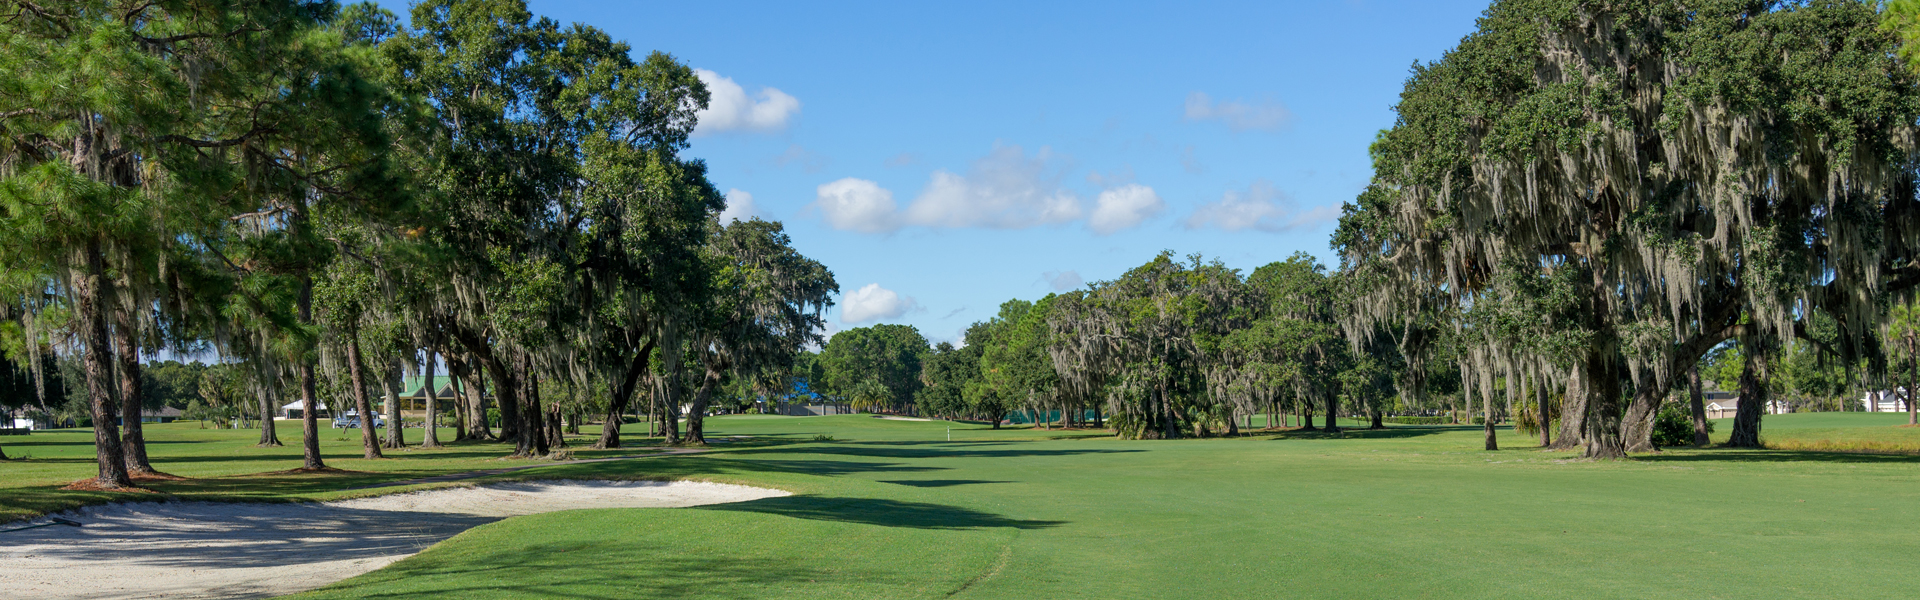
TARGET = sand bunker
(233,550)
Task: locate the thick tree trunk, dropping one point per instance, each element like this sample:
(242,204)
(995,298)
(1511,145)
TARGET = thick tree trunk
(1753,398)
(430,430)
(394,436)
(697,417)
(1698,405)
(1306,416)
(309,402)
(556,433)
(1913,374)
(623,396)
(1545,413)
(532,440)
(1573,412)
(472,384)
(1636,430)
(90,315)
(1486,419)
(1379,420)
(1601,386)
(1333,413)
(369,438)
(669,409)
(133,441)
(269,435)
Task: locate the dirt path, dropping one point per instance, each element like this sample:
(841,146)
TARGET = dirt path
(239,550)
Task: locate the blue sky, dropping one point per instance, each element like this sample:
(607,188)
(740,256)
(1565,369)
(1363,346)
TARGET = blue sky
(1029,147)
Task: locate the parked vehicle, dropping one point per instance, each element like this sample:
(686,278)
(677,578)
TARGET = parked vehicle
(352,421)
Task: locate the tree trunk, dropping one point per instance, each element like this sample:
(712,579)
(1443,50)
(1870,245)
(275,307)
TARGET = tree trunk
(531,439)
(1379,421)
(664,392)
(390,396)
(369,438)
(1698,405)
(1333,413)
(309,403)
(1546,413)
(1601,386)
(1486,419)
(133,441)
(1306,416)
(623,395)
(269,435)
(1913,373)
(430,430)
(696,418)
(1636,430)
(1753,396)
(89,314)
(1573,411)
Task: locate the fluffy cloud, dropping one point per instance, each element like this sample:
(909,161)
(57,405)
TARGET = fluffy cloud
(1238,115)
(1262,207)
(857,205)
(1124,207)
(873,303)
(740,207)
(1062,281)
(1007,189)
(730,108)
(1004,190)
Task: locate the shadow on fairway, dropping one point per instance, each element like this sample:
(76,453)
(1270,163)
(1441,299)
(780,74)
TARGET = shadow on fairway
(551,571)
(830,467)
(936,450)
(1748,455)
(1363,434)
(876,511)
(932,483)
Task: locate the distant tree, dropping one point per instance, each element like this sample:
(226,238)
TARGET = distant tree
(888,356)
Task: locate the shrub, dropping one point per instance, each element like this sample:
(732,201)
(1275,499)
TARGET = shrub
(1673,427)
(823,438)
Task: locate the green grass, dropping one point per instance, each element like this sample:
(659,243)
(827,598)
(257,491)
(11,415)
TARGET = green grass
(891,509)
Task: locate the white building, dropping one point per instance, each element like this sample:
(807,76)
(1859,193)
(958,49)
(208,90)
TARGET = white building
(1893,400)
(1722,405)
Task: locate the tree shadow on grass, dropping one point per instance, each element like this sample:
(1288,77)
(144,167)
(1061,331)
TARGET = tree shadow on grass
(1358,433)
(933,483)
(1751,455)
(876,511)
(552,570)
(882,451)
(829,467)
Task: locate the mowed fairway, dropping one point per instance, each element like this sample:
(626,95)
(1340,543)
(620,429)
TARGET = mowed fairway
(891,509)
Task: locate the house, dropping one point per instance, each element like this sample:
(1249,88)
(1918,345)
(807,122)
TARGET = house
(164,414)
(292,410)
(414,392)
(1893,400)
(1723,405)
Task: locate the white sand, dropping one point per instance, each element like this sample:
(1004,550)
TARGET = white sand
(234,550)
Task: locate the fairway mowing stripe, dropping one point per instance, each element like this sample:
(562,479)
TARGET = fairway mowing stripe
(998,564)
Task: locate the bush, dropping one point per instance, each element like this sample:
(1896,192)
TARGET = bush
(1673,427)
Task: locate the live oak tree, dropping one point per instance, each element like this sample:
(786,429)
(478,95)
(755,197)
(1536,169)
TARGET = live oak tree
(880,363)
(1696,173)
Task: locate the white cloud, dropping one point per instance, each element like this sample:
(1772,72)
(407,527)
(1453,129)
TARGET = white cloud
(873,303)
(1007,189)
(1239,115)
(1004,190)
(1062,281)
(857,205)
(729,108)
(1262,207)
(740,207)
(1124,207)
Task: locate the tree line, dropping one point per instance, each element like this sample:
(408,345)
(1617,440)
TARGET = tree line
(326,199)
